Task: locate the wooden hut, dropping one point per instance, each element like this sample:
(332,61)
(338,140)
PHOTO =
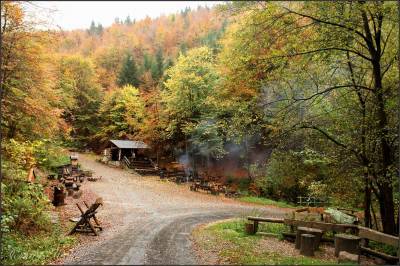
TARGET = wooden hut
(118,149)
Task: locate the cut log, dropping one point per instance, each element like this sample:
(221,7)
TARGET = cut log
(349,243)
(307,244)
(306,230)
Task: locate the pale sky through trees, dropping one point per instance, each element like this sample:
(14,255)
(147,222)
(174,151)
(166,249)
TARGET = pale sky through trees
(79,14)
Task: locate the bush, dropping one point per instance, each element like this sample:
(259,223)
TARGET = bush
(24,206)
(290,173)
(28,236)
(17,249)
(41,153)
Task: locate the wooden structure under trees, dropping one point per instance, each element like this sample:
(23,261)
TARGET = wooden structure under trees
(119,149)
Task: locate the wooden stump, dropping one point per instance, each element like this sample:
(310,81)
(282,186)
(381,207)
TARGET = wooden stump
(306,230)
(59,196)
(249,228)
(307,244)
(348,243)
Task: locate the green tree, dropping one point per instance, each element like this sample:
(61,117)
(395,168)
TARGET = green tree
(78,84)
(95,30)
(122,114)
(192,80)
(338,82)
(158,66)
(147,62)
(128,73)
(99,30)
(128,21)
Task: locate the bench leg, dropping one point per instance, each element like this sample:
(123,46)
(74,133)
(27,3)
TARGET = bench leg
(255,228)
(249,228)
(92,227)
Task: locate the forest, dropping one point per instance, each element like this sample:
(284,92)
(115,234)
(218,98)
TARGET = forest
(286,99)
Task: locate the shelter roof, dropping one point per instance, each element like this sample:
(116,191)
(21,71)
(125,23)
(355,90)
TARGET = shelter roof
(129,144)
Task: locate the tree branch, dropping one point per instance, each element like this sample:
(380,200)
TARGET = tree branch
(327,22)
(325,134)
(321,50)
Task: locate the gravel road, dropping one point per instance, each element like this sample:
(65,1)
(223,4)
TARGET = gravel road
(149,221)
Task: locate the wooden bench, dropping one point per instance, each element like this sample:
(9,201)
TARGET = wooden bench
(348,243)
(252,228)
(342,228)
(363,233)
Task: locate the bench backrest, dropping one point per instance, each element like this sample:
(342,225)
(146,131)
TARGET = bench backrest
(321,225)
(374,235)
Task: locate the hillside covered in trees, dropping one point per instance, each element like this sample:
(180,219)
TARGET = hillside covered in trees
(298,98)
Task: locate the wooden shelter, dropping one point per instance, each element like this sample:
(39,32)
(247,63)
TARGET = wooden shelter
(118,149)
(74,160)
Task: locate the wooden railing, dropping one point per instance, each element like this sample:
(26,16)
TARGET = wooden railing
(153,163)
(126,161)
(312,201)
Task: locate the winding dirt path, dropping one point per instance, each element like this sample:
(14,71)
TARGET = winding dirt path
(149,220)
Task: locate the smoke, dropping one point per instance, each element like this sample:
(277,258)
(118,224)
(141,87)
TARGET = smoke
(210,154)
(185,161)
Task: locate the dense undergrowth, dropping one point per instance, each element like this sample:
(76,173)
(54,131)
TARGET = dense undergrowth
(28,235)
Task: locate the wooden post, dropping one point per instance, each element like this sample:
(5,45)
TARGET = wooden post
(349,243)
(255,226)
(249,228)
(307,245)
(119,155)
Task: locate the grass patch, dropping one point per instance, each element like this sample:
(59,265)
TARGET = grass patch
(383,248)
(265,201)
(233,246)
(41,248)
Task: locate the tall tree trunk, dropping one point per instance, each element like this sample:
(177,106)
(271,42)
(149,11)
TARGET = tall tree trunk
(383,179)
(375,220)
(367,203)
(386,205)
